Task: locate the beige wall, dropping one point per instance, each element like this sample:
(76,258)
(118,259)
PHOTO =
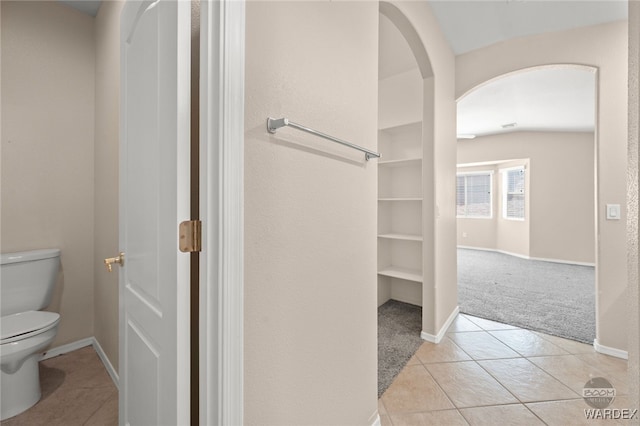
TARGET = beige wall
(400,102)
(48,148)
(560,224)
(107,138)
(310,214)
(604,47)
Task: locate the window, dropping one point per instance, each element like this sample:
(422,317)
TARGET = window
(513,193)
(473,195)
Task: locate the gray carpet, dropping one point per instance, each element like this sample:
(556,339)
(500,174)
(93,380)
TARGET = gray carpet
(553,298)
(399,326)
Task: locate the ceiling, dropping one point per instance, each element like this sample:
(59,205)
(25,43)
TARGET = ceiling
(90,7)
(544,99)
(561,98)
(558,99)
(470,25)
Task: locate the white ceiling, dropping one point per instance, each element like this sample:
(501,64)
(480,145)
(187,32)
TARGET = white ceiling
(470,25)
(549,99)
(545,99)
(561,99)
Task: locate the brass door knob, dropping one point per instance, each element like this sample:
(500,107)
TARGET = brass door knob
(111,260)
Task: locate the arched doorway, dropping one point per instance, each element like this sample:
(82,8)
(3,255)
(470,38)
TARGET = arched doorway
(536,126)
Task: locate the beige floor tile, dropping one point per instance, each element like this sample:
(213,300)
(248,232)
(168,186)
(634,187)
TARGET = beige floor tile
(445,351)
(512,415)
(614,367)
(82,368)
(461,323)
(526,381)
(526,343)
(574,372)
(562,413)
(385,421)
(413,361)
(488,325)
(381,408)
(414,390)
(75,387)
(107,415)
(482,345)
(445,417)
(74,406)
(468,385)
(568,345)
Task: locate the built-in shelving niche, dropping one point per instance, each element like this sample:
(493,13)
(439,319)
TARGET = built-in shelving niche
(400,272)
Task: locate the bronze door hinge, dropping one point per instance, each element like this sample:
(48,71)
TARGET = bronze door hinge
(190,236)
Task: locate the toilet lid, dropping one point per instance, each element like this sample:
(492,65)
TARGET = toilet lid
(16,325)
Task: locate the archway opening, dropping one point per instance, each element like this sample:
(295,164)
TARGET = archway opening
(526,200)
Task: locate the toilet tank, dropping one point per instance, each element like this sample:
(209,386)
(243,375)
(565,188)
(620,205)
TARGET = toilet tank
(27,280)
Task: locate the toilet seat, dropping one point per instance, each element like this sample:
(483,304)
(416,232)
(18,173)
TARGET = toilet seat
(26,324)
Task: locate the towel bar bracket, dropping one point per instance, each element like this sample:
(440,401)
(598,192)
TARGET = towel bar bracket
(274,124)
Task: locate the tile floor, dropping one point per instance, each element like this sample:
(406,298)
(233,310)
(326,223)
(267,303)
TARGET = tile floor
(487,373)
(482,373)
(76,390)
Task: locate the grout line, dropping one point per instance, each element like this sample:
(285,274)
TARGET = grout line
(533,412)
(441,389)
(115,391)
(499,382)
(548,374)
(477,361)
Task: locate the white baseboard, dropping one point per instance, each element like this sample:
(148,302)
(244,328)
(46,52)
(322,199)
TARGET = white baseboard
(107,364)
(69,347)
(607,350)
(522,256)
(74,346)
(566,262)
(376,420)
(443,330)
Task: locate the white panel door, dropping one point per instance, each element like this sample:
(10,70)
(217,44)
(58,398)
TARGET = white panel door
(154,198)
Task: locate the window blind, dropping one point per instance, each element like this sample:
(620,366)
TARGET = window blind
(514,195)
(473,195)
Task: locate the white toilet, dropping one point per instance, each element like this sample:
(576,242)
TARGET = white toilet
(27,280)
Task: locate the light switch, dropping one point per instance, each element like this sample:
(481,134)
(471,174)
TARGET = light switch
(613,211)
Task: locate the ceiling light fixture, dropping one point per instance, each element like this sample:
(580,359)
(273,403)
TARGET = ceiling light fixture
(466,136)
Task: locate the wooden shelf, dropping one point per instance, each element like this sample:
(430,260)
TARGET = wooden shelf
(404,237)
(401,162)
(402,273)
(400,199)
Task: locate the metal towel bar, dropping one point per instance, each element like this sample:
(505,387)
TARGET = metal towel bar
(274,124)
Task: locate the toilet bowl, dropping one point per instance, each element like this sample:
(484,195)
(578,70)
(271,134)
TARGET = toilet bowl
(26,284)
(24,337)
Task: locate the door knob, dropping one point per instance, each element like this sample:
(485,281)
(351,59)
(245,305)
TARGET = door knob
(111,260)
